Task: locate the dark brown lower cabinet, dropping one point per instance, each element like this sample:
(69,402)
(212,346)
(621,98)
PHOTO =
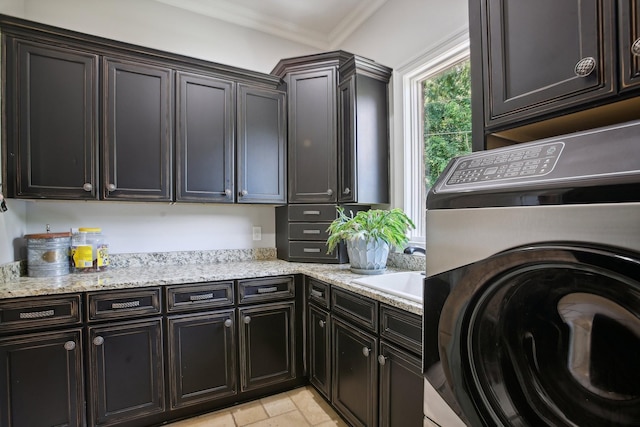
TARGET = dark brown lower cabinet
(126,371)
(41,381)
(267,344)
(202,357)
(401,385)
(319,352)
(355,374)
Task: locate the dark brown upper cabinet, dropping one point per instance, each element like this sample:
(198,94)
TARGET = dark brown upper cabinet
(338,128)
(138,131)
(205,139)
(549,68)
(52,120)
(261,145)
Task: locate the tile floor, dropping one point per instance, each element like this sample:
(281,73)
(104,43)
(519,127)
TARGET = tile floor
(301,407)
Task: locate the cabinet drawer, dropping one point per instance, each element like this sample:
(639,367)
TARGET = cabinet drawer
(267,289)
(308,231)
(38,312)
(204,295)
(312,213)
(401,327)
(311,249)
(319,292)
(117,304)
(360,310)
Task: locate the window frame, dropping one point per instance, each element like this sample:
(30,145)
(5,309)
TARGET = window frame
(452,51)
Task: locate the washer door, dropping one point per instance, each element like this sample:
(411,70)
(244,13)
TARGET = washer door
(546,335)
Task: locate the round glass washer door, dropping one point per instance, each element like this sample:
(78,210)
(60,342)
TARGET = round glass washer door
(548,335)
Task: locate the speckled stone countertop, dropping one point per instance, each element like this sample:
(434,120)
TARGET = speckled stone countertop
(168,271)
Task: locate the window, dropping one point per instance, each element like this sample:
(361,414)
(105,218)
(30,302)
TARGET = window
(437,121)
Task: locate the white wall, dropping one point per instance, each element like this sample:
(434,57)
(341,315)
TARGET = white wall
(399,32)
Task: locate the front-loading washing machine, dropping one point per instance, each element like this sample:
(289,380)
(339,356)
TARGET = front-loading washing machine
(532,289)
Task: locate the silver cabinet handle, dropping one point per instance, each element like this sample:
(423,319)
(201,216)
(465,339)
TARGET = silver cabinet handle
(87,186)
(316,293)
(346,191)
(69,345)
(267,290)
(382,360)
(247,320)
(311,250)
(310,212)
(128,304)
(329,192)
(200,297)
(585,66)
(635,47)
(227,192)
(366,351)
(310,231)
(321,323)
(98,340)
(228,323)
(244,192)
(111,187)
(37,314)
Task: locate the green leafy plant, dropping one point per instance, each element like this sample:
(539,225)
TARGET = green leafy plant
(390,226)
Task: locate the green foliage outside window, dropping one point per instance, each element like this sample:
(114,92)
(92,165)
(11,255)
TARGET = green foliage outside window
(447,119)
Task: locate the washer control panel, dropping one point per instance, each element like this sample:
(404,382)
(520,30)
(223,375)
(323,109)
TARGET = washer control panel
(529,162)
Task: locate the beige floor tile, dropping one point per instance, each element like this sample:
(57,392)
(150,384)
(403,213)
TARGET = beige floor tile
(333,423)
(217,419)
(289,419)
(249,413)
(278,404)
(312,406)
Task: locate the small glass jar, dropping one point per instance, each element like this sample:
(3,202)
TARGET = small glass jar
(89,251)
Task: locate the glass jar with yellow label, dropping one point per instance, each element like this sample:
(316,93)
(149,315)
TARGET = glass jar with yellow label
(89,251)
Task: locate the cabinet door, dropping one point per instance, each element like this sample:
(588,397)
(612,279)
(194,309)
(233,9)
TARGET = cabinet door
(261,145)
(41,381)
(319,333)
(52,121)
(312,136)
(267,344)
(533,51)
(205,141)
(202,357)
(629,43)
(355,374)
(126,373)
(401,388)
(347,140)
(138,131)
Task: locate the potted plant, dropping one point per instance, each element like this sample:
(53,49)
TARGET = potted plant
(369,236)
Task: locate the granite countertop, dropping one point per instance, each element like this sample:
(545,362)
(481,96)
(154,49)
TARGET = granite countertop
(338,275)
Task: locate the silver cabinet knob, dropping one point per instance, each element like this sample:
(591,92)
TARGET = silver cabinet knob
(321,323)
(98,340)
(87,186)
(247,320)
(244,192)
(69,345)
(347,191)
(382,360)
(366,351)
(228,323)
(329,192)
(227,192)
(635,47)
(585,66)
(111,187)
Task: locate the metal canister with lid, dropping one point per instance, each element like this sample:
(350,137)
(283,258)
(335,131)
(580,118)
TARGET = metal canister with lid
(47,254)
(89,251)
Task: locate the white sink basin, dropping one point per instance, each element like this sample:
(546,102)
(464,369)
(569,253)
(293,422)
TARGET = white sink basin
(406,284)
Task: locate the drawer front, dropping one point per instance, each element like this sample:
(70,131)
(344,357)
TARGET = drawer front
(319,292)
(39,312)
(310,249)
(203,295)
(265,289)
(312,213)
(308,230)
(401,327)
(118,304)
(360,310)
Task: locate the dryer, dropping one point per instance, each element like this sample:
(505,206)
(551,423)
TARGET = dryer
(532,289)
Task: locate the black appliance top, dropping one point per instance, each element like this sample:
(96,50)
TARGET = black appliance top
(596,166)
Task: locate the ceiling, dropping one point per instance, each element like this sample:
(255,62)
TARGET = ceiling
(320,23)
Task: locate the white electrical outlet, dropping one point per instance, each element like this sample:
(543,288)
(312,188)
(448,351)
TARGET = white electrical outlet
(257,233)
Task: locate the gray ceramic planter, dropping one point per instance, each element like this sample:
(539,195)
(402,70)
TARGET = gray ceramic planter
(368,257)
